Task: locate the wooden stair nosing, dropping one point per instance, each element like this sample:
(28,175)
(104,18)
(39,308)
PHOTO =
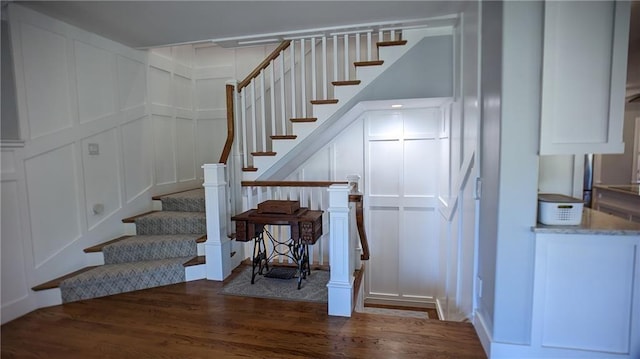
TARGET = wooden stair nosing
(201,239)
(368,63)
(159,196)
(263,154)
(391,43)
(55,283)
(195,261)
(283,137)
(133,218)
(303,119)
(324,102)
(346,83)
(249,169)
(98,247)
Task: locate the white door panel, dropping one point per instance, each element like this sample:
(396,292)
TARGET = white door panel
(401,160)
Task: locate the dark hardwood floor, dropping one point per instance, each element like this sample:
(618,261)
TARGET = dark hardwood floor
(192,320)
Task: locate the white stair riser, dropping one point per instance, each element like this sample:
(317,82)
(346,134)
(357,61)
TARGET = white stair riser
(323,112)
(156,205)
(284,146)
(195,272)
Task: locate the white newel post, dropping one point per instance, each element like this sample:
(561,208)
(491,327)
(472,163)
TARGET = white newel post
(218,245)
(341,283)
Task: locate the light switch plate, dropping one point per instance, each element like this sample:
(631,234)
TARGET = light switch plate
(94,149)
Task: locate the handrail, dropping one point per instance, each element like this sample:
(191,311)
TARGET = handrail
(224,156)
(289,183)
(357,199)
(263,65)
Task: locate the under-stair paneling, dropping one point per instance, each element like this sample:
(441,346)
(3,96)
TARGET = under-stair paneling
(185,149)
(46,89)
(164,149)
(94,66)
(137,142)
(54,197)
(101,170)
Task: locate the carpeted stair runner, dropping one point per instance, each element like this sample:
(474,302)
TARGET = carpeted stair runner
(154,257)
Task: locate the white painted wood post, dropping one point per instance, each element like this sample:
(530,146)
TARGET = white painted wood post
(341,282)
(218,245)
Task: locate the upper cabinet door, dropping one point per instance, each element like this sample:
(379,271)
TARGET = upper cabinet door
(584,76)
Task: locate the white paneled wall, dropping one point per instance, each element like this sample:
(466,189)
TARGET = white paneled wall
(87,156)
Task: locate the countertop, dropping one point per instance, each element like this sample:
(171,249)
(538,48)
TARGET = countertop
(630,189)
(594,222)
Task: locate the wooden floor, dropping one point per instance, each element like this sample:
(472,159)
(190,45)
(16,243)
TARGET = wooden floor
(192,320)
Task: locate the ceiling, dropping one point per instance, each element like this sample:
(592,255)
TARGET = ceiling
(144,24)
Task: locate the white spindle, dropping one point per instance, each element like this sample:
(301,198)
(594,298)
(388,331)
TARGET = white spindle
(324,68)
(250,203)
(254,130)
(263,115)
(357,46)
(244,128)
(393,35)
(272,98)
(380,36)
(346,57)
(303,78)
(369,46)
(314,72)
(293,78)
(335,57)
(282,96)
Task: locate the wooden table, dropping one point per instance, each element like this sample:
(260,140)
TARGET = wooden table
(306,229)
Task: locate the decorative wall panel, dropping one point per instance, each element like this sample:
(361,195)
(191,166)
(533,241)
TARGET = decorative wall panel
(132,82)
(14,281)
(101,168)
(96,82)
(160,87)
(210,135)
(165,148)
(136,144)
(185,149)
(53,201)
(183,92)
(46,81)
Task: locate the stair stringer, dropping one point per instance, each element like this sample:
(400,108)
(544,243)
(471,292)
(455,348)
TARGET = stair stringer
(333,119)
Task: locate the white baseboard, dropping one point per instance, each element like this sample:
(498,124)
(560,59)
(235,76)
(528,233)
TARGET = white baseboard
(17,308)
(483,332)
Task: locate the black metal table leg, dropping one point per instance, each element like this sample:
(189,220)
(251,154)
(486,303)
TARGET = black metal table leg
(259,256)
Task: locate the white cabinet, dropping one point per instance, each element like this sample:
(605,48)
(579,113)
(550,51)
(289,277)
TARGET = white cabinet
(586,295)
(584,76)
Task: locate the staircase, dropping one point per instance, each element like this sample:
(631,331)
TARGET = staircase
(164,250)
(303,88)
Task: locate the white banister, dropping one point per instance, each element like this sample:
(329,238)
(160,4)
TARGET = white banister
(282,98)
(303,78)
(346,56)
(340,286)
(293,79)
(325,78)
(263,115)
(335,57)
(218,245)
(272,97)
(369,46)
(254,130)
(357,46)
(314,70)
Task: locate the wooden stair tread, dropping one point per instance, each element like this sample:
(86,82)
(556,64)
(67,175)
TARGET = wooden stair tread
(201,239)
(268,153)
(133,218)
(159,196)
(249,169)
(392,43)
(303,119)
(369,63)
(55,283)
(98,247)
(346,83)
(284,137)
(324,102)
(195,261)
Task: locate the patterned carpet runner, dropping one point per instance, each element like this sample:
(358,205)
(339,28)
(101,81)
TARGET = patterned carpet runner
(154,257)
